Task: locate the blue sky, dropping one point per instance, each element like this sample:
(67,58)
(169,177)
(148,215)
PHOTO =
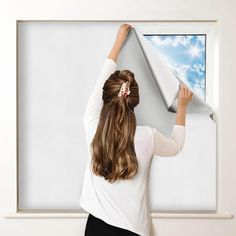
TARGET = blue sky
(185,55)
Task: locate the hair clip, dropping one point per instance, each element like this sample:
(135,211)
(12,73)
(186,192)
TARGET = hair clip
(124,90)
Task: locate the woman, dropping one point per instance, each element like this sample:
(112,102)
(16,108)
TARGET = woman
(114,191)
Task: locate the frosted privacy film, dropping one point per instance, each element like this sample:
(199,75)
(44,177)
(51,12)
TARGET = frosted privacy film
(58,65)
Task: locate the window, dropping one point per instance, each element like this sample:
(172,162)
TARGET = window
(53,59)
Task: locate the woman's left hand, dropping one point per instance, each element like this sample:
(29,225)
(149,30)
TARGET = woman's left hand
(123,32)
(120,39)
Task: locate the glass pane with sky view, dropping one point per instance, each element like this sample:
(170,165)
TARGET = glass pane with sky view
(186,56)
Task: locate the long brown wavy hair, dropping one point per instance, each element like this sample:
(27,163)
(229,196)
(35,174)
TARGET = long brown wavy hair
(113,152)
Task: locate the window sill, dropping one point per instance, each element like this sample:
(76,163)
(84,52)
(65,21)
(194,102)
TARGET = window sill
(14,215)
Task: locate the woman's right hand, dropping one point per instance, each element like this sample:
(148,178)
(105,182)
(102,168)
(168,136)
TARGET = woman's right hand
(184,95)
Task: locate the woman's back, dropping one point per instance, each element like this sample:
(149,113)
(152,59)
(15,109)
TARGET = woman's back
(123,203)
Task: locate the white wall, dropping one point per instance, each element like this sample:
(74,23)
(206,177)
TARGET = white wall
(220,10)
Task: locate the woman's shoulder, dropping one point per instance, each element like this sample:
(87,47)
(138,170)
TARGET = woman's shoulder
(144,129)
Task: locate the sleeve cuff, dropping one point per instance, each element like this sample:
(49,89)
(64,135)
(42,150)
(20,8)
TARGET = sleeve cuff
(177,125)
(111,61)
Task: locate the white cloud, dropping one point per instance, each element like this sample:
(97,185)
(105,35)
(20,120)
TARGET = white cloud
(182,70)
(201,38)
(173,41)
(198,68)
(199,87)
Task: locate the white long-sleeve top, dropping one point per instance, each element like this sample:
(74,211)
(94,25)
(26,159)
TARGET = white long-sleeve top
(124,203)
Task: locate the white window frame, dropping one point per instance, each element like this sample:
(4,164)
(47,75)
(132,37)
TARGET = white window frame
(162,27)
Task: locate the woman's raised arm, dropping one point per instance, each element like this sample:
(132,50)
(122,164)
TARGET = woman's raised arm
(170,146)
(120,39)
(95,102)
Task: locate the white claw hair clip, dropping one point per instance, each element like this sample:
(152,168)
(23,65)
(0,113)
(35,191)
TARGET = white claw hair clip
(124,90)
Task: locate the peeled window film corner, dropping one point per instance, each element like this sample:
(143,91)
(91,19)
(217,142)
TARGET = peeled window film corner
(168,82)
